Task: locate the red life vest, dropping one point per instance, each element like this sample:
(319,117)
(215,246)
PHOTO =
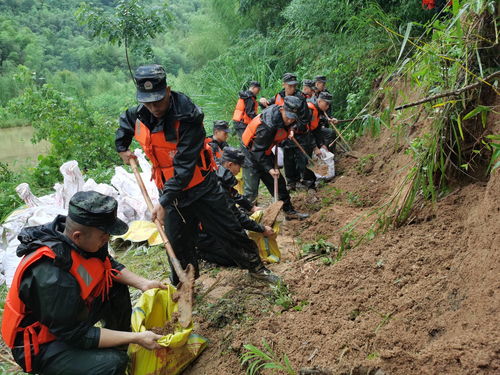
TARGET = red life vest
(162,152)
(94,277)
(240,114)
(249,135)
(314,122)
(431,4)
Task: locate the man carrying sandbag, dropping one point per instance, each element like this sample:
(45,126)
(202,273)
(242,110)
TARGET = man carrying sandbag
(65,284)
(169,127)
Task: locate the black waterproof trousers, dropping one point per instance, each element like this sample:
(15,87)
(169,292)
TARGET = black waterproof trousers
(295,162)
(213,211)
(58,358)
(252,177)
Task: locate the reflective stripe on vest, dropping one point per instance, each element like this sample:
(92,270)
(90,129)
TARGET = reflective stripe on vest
(249,135)
(240,113)
(94,277)
(162,152)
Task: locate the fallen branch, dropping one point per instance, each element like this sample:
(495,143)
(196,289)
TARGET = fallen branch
(449,93)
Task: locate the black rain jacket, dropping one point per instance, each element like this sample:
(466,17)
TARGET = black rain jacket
(52,295)
(228,182)
(191,140)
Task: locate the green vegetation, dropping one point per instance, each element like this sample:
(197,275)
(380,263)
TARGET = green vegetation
(260,359)
(76,73)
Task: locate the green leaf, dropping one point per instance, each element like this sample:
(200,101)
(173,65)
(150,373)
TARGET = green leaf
(476,111)
(405,40)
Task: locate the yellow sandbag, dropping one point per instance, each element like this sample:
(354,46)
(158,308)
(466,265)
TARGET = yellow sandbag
(239,178)
(139,231)
(154,309)
(268,247)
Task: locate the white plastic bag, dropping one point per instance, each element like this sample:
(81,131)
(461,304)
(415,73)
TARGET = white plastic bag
(329,159)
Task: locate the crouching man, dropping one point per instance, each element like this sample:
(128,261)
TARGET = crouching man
(210,248)
(65,284)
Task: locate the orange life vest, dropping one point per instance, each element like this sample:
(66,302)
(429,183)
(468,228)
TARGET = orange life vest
(240,114)
(279,100)
(162,152)
(94,277)
(314,122)
(249,135)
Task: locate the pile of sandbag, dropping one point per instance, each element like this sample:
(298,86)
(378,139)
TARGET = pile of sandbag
(41,210)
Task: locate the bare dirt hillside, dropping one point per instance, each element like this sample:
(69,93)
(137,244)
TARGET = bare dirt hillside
(420,299)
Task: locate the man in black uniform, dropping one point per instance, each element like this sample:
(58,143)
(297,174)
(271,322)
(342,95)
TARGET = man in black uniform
(308,88)
(259,140)
(209,248)
(65,284)
(169,127)
(246,107)
(329,134)
(217,141)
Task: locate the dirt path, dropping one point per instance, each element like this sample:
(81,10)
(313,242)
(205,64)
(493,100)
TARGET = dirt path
(423,298)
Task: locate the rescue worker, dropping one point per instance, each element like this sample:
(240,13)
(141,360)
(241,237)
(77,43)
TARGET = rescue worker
(217,141)
(261,136)
(246,108)
(66,283)
(329,134)
(289,89)
(320,83)
(169,127)
(318,106)
(209,248)
(308,88)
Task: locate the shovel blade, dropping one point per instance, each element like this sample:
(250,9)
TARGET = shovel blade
(184,297)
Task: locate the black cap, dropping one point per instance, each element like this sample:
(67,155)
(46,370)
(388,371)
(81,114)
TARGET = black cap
(221,125)
(326,96)
(293,106)
(254,84)
(233,155)
(308,83)
(320,79)
(151,82)
(97,210)
(290,79)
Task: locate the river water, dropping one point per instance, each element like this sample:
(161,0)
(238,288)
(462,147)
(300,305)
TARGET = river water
(17,149)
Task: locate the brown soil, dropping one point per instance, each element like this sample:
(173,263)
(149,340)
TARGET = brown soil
(420,299)
(163,331)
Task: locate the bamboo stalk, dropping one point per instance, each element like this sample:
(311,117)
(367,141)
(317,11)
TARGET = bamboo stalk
(448,93)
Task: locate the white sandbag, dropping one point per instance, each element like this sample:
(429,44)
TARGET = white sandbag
(10,261)
(327,158)
(73,181)
(105,189)
(24,192)
(280,156)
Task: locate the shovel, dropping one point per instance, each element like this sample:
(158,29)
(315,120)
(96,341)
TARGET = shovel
(184,293)
(272,211)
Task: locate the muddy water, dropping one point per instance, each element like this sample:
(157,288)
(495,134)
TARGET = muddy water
(16,148)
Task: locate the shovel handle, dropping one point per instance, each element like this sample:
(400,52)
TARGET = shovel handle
(275,177)
(302,149)
(170,251)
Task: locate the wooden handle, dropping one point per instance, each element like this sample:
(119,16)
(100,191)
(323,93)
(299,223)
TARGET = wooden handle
(170,251)
(339,134)
(276,177)
(302,149)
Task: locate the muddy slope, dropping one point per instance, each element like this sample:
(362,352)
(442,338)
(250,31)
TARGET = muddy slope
(423,298)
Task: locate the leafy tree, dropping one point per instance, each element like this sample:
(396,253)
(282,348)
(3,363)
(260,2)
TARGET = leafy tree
(131,24)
